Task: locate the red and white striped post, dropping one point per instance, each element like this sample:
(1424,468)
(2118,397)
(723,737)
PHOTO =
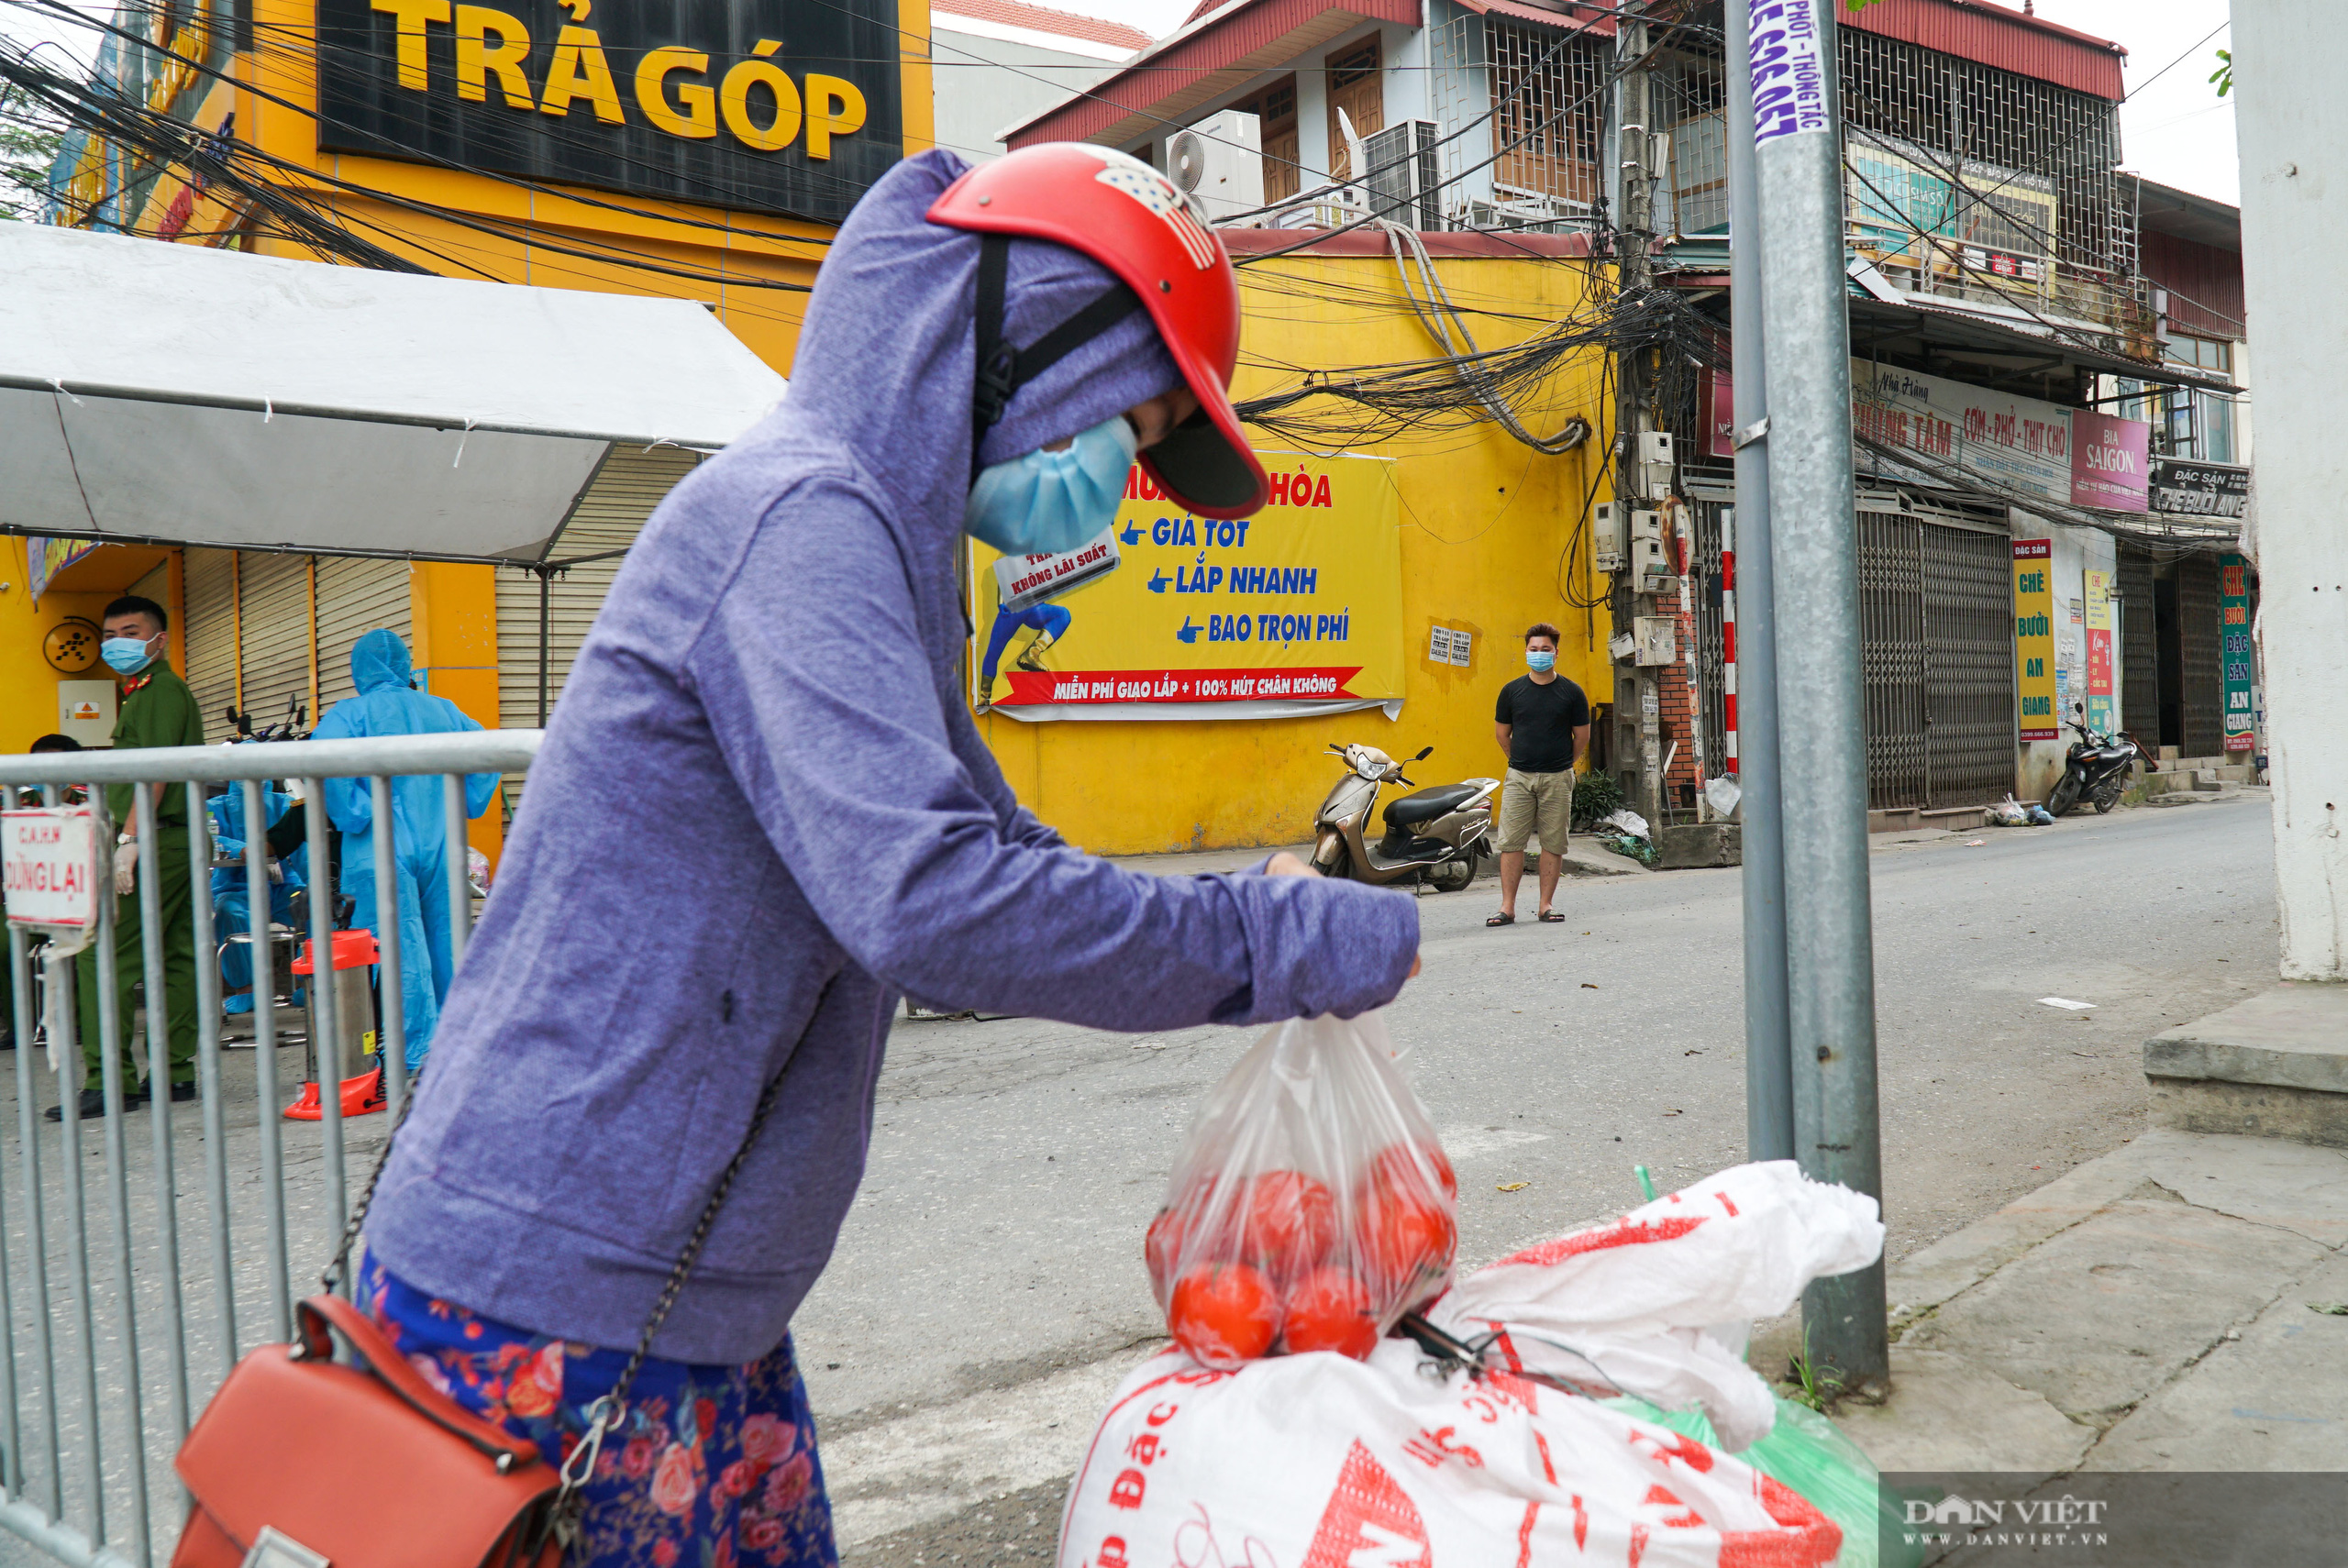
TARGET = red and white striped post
(1728,633)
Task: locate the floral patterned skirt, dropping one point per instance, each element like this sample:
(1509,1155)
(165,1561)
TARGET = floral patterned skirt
(713,1466)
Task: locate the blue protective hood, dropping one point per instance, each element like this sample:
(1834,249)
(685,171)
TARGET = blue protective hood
(887,360)
(379,662)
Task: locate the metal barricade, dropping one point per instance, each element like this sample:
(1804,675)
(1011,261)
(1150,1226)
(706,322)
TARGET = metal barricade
(111,1339)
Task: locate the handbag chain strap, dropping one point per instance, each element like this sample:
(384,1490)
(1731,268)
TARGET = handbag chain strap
(608,1411)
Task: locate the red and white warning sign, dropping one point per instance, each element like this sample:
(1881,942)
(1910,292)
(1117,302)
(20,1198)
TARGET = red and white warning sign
(49,863)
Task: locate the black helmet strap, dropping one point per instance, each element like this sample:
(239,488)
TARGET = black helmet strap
(1003,367)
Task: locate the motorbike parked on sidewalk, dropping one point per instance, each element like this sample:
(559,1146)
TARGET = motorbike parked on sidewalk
(2096,768)
(1433,836)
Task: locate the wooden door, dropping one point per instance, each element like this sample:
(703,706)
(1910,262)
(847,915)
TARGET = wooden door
(1357,87)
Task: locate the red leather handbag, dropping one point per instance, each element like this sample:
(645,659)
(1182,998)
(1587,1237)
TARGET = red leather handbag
(357,1465)
(301,1461)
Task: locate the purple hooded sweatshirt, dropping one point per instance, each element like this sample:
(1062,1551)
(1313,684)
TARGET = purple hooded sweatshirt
(762,813)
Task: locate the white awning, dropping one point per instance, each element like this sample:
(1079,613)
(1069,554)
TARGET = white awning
(170,393)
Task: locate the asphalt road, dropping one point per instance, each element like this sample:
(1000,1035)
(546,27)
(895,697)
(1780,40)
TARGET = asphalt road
(988,1290)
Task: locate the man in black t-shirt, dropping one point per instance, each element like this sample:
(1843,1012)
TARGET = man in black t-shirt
(1542,721)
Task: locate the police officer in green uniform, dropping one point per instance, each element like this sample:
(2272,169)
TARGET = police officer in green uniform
(157,709)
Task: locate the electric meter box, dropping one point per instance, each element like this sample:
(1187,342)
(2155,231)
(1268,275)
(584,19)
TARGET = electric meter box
(1606,538)
(1659,639)
(1646,525)
(1654,446)
(1648,561)
(86,711)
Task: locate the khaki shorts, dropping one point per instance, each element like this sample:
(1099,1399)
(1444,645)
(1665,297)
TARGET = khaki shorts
(1537,802)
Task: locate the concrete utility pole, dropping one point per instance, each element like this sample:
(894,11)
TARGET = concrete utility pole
(1830,958)
(1638,703)
(1768,1082)
(2292,124)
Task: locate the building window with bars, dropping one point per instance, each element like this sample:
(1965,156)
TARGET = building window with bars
(1548,108)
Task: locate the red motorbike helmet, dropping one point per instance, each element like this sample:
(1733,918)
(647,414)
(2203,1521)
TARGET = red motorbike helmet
(1130,218)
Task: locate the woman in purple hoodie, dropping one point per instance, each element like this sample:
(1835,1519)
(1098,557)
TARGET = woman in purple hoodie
(984,351)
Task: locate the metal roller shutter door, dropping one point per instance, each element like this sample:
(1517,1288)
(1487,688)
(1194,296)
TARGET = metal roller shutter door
(2201,654)
(2139,679)
(1969,668)
(356,596)
(274,594)
(1891,622)
(608,517)
(210,585)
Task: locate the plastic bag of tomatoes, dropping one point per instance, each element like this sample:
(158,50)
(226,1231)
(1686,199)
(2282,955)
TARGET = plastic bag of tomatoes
(1310,1206)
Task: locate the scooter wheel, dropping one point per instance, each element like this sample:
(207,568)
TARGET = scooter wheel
(1452,876)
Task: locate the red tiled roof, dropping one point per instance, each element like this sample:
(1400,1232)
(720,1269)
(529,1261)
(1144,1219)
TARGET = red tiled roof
(1204,60)
(1044,19)
(1993,35)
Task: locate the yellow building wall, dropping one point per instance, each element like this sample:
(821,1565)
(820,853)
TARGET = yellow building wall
(1486,525)
(28,684)
(453,610)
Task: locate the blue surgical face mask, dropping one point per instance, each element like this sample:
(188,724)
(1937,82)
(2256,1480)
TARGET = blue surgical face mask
(1540,659)
(1049,501)
(128,656)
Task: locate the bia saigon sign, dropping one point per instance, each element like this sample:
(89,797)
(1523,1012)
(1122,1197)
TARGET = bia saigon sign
(787,107)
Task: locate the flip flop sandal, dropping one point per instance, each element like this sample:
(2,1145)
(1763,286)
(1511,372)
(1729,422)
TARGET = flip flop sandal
(1501,919)
(1551,917)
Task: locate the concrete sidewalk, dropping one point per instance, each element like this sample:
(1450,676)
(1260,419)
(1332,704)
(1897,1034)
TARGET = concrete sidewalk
(2175,1305)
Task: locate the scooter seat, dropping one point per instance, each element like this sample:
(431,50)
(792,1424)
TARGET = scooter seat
(1426,805)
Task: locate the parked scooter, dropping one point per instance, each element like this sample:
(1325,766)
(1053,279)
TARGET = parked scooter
(2096,768)
(1433,836)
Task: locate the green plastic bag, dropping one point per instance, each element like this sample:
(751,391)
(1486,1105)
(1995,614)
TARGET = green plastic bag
(1809,1454)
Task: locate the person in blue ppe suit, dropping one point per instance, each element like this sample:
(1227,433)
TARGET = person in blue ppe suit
(388,705)
(231,911)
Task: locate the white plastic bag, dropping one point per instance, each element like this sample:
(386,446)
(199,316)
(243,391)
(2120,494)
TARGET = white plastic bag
(1724,794)
(1322,1461)
(1310,1206)
(1629,821)
(1624,1307)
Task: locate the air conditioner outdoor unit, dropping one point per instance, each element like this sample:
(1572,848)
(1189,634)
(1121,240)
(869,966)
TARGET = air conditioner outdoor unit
(1403,173)
(1219,162)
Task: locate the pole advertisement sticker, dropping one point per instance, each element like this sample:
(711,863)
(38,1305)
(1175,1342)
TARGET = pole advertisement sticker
(1789,67)
(48,864)
(1166,615)
(2035,639)
(2233,615)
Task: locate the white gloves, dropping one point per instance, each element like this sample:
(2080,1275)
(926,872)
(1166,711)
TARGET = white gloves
(126,867)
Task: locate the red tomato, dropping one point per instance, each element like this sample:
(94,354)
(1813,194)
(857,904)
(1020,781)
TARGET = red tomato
(1395,1168)
(1329,1310)
(1408,1239)
(1291,1222)
(1224,1314)
(1161,1249)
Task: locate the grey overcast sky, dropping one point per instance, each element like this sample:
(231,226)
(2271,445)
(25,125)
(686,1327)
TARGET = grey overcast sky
(2174,127)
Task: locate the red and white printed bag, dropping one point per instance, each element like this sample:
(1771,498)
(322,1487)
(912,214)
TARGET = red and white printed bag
(1316,1461)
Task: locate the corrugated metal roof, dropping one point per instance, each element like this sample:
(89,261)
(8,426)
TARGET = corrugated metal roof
(1992,35)
(1548,14)
(1204,60)
(1044,19)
